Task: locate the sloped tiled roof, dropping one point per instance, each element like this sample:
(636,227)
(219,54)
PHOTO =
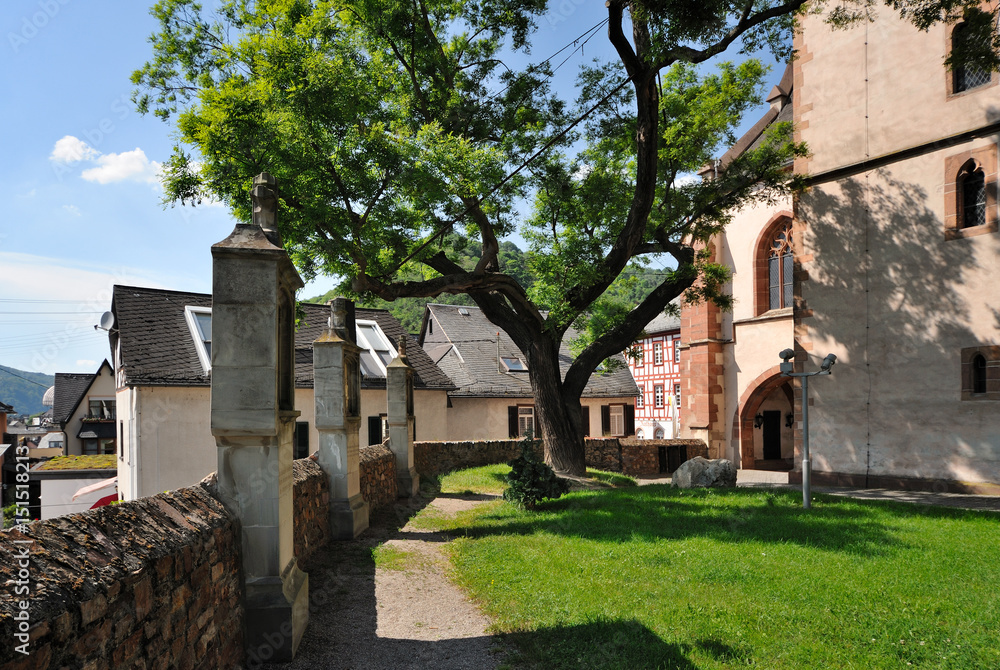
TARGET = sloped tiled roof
(157,348)
(665,321)
(472,360)
(753,138)
(70,389)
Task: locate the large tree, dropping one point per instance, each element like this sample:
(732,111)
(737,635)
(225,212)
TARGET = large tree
(400,137)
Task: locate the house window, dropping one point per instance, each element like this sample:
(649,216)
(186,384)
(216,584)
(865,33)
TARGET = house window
(677,351)
(199,321)
(657,353)
(658,395)
(973,196)
(301,440)
(101,409)
(779,269)
(966,77)
(617,415)
(107,446)
(677,395)
(90,448)
(638,398)
(525,421)
(376,352)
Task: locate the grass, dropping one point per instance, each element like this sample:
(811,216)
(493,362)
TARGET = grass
(490,479)
(91,462)
(654,577)
(391,557)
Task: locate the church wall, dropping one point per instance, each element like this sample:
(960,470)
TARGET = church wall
(881,284)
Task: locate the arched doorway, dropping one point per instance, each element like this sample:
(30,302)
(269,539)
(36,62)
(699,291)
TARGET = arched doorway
(766,424)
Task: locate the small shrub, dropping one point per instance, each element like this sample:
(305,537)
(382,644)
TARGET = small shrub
(531,480)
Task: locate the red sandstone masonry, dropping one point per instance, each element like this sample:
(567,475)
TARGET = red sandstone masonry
(148,583)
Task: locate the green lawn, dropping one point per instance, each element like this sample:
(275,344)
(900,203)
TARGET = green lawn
(653,577)
(490,479)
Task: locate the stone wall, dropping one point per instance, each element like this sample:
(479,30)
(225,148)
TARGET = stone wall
(378,476)
(312,508)
(154,583)
(627,455)
(434,458)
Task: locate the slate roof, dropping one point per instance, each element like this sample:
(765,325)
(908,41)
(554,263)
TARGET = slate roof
(157,348)
(469,343)
(6,409)
(665,322)
(70,389)
(753,138)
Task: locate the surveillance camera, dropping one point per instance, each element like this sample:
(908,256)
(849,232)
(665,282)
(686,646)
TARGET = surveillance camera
(786,355)
(828,362)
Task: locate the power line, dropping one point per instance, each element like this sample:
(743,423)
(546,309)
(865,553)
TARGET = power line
(30,381)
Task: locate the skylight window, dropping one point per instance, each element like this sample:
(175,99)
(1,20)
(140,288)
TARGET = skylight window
(514,364)
(376,352)
(199,321)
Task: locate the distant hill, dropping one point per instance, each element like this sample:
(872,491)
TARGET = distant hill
(22,394)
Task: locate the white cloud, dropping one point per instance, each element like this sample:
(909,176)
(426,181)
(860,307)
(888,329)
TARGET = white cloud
(30,194)
(72,209)
(128,165)
(86,363)
(72,149)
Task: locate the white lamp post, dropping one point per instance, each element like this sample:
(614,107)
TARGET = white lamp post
(786,371)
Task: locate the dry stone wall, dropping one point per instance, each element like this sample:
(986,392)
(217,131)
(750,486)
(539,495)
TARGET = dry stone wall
(378,476)
(149,583)
(311,494)
(626,455)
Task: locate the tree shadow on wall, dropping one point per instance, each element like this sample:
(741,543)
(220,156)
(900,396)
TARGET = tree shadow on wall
(886,285)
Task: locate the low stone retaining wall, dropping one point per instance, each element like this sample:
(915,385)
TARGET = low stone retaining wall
(434,458)
(626,455)
(378,476)
(311,493)
(148,583)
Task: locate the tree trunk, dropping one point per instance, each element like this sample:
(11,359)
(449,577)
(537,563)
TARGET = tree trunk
(558,417)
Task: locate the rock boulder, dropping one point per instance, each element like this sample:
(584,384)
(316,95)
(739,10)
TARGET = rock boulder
(700,472)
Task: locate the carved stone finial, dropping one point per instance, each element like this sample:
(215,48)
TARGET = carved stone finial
(265,206)
(342,322)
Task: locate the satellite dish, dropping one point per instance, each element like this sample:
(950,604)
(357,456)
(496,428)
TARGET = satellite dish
(107,320)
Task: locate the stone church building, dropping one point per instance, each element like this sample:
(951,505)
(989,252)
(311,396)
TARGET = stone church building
(890,260)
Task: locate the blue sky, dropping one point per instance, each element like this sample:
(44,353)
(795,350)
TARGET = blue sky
(79,165)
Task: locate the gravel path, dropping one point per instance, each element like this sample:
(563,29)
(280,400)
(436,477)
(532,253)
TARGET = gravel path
(411,616)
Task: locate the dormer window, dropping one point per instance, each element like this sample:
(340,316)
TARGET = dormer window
(376,352)
(513,364)
(199,320)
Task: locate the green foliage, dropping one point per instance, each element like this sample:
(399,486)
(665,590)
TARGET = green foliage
(531,480)
(23,395)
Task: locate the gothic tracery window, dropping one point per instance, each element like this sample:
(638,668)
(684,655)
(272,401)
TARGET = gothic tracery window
(779,269)
(973,196)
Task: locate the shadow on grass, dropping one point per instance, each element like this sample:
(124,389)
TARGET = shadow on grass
(732,515)
(601,644)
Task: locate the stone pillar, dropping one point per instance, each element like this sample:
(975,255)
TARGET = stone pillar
(253,420)
(337,389)
(702,375)
(399,386)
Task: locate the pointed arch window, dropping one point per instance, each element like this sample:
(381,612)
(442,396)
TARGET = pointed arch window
(779,268)
(973,195)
